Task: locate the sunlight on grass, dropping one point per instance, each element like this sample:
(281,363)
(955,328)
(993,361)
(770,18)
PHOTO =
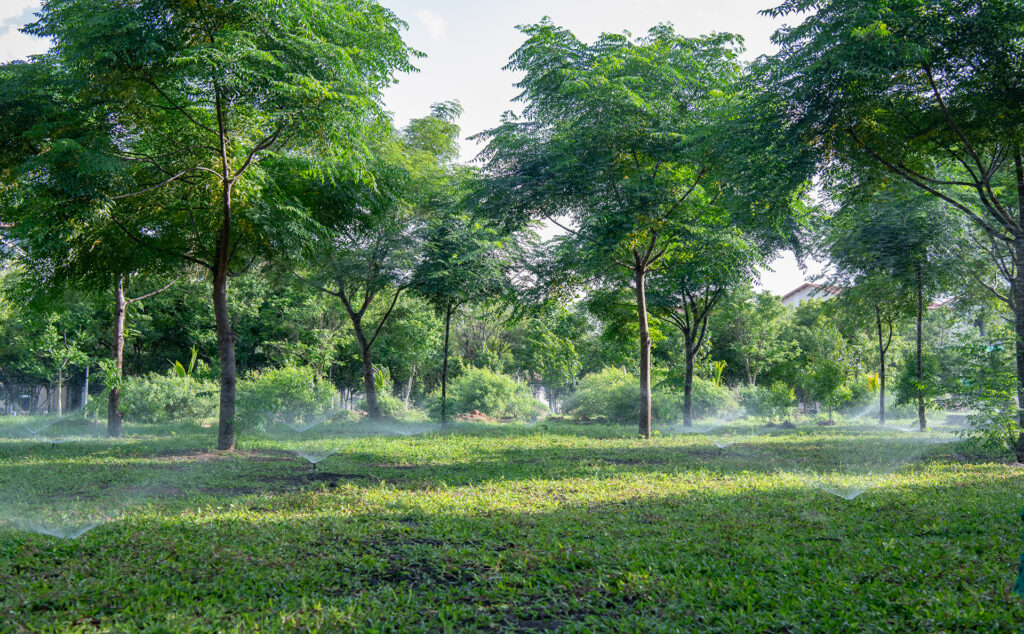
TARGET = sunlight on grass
(482,525)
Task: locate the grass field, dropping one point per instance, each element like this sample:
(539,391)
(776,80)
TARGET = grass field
(504,527)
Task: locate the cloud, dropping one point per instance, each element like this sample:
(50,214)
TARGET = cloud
(435,24)
(19,11)
(14,44)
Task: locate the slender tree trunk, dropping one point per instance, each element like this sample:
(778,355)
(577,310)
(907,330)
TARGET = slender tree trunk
(922,421)
(881,369)
(114,416)
(60,391)
(85,391)
(1017,288)
(1018,310)
(222,261)
(369,385)
(688,381)
(444,365)
(645,354)
(228,372)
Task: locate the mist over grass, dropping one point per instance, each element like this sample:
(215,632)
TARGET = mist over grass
(476,526)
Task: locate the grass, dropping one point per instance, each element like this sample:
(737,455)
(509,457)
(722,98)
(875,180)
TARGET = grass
(490,527)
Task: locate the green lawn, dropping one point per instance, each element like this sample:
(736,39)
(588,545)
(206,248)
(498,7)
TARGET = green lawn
(490,527)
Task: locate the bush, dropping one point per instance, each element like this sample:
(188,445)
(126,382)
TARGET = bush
(862,395)
(289,394)
(767,402)
(166,398)
(393,407)
(710,399)
(496,395)
(614,394)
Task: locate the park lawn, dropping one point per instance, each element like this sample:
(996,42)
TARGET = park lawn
(490,527)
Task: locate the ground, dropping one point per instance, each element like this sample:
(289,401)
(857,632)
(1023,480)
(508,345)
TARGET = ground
(555,526)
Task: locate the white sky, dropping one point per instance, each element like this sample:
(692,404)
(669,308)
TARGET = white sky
(467,43)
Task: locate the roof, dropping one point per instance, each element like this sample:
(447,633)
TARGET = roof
(826,290)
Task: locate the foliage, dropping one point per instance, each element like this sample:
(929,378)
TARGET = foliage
(283,395)
(165,398)
(862,393)
(751,329)
(710,400)
(613,394)
(772,402)
(908,388)
(496,395)
(984,383)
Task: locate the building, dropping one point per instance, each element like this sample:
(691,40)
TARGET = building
(808,291)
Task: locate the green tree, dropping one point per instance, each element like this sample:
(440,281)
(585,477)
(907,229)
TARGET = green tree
(924,92)
(200,98)
(616,147)
(826,372)
(753,326)
(899,247)
(464,260)
(695,279)
(373,237)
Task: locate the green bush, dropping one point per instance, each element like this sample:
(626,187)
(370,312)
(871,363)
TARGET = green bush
(393,407)
(288,395)
(614,394)
(710,399)
(772,402)
(861,395)
(165,398)
(496,395)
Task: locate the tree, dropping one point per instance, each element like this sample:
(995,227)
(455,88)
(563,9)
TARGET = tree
(902,244)
(615,147)
(827,368)
(695,279)
(752,326)
(199,97)
(52,124)
(926,93)
(546,351)
(879,303)
(464,262)
(372,236)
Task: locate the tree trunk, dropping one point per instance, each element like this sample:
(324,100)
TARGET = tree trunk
(1018,310)
(60,392)
(645,355)
(688,381)
(444,365)
(922,421)
(369,385)
(114,416)
(881,370)
(226,347)
(85,391)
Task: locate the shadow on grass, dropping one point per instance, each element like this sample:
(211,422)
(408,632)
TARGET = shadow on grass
(772,559)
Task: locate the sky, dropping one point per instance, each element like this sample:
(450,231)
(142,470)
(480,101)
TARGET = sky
(467,42)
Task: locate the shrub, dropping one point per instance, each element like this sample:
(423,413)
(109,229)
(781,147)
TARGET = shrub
(614,394)
(496,395)
(393,407)
(768,402)
(288,394)
(862,394)
(165,398)
(710,399)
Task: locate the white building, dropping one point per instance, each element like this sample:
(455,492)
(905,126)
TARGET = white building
(808,291)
